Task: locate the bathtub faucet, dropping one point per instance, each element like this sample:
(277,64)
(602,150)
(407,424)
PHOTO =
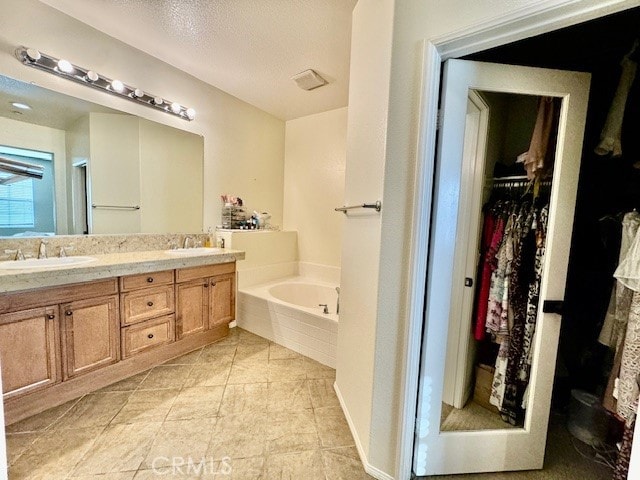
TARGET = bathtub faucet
(338,301)
(326,308)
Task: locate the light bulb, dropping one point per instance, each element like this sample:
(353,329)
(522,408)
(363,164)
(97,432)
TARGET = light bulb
(65,66)
(23,106)
(158,101)
(91,76)
(138,93)
(191,113)
(117,86)
(176,107)
(33,54)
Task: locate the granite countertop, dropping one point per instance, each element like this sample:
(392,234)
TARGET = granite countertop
(109,265)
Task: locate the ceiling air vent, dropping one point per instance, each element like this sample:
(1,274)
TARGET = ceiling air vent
(308,80)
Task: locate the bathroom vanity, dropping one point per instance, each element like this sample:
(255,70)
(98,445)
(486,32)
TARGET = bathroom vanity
(68,331)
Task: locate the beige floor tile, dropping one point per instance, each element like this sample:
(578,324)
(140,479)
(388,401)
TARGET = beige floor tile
(318,370)
(216,353)
(344,464)
(54,454)
(252,353)
(109,476)
(278,352)
(323,393)
(232,339)
(186,359)
(147,406)
(292,432)
(18,443)
(196,402)
(166,376)
(299,465)
(126,385)
(289,396)
(42,421)
(93,410)
(245,337)
(239,436)
(120,448)
(180,442)
(238,469)
(208,375)
(287,370)
(244,398)
(333,429)
(249,373)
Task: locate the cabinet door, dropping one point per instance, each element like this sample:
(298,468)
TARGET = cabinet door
(29,350)
(192,307)
(90,334)
(222,303)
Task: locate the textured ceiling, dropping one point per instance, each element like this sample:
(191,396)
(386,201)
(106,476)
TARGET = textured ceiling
(248,48)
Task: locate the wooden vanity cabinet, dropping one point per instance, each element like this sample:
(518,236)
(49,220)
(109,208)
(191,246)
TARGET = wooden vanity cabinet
(90,334)
(29,350)
(205,298)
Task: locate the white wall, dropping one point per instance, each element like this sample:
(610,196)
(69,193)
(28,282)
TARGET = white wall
(78,150)
(382,139)
(314,165)
(14,133)
(244,146)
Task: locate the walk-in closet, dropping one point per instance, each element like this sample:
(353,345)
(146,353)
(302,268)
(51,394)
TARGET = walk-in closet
(518,236)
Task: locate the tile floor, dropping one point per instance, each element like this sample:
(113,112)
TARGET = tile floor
(241,408)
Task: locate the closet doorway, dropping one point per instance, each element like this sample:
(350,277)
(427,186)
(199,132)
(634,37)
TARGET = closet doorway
(486,442)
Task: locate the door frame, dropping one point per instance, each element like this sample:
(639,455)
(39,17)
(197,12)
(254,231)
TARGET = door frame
(543,17)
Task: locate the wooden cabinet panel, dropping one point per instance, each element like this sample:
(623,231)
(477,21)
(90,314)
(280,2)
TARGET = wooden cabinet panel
(192,309)
(193,273)
(134,282)
(90,334)
(147,303)
(29,350)
(143,336)
(222,301)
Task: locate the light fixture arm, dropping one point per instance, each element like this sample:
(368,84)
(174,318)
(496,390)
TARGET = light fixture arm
(63,68)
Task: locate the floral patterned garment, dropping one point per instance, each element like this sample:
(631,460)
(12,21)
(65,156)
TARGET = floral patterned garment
(498,292)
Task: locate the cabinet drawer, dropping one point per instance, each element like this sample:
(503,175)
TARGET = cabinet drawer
(143,336)
(187,274)
(144,280)
(147,303)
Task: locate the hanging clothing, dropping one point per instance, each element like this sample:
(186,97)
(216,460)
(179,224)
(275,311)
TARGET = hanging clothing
(537,159)
(496,322)
(492,232)
(610,138)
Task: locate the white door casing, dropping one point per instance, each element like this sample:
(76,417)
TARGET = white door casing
(513,449)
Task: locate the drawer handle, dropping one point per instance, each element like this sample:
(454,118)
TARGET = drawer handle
(150,279)
(51,316)
(68,313)
(150,304)
(150,336)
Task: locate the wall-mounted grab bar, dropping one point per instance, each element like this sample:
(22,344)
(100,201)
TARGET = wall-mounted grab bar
(377,206)
(117,207)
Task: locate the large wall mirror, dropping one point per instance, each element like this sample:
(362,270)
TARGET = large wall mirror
(68,166)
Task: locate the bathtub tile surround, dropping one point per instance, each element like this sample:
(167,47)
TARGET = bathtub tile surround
(94,244)
(287,426)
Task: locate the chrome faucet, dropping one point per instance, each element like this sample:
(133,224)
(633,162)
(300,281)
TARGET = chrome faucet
(187,241)
(42,249)
(338,301)
(326,308)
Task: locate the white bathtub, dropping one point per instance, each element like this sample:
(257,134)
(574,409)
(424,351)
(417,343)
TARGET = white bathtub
(287,312)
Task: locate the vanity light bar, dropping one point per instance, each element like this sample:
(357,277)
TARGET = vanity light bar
(65,69)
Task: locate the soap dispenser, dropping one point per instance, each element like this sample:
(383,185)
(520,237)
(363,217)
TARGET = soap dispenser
(209,240)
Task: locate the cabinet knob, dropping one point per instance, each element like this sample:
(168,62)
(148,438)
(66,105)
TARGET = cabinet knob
(51,316)
(150,304)
(150,279)
(213,284)
(68,313)
(150,336)
(205,285)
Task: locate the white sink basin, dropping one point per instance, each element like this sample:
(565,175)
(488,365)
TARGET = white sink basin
(54,262)
(185,252)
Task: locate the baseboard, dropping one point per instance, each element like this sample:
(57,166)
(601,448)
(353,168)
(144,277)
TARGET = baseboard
(370,469)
